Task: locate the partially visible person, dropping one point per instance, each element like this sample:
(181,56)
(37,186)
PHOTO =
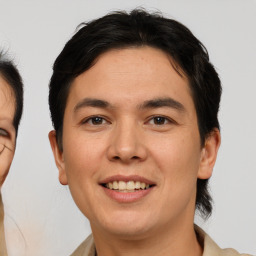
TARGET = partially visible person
(11,105)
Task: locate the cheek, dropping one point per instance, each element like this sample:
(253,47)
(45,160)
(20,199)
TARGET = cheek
(178,157)
(82,164)
(82,154)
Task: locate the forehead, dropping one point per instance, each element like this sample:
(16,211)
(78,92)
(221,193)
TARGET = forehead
(130,75)
(7,101)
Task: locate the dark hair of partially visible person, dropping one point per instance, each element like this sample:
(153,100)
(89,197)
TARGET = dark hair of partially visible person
(10,74)
(139,28)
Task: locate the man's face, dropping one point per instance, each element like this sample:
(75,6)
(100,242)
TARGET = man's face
(7,131)
(131,146)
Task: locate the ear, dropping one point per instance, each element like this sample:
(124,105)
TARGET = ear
(59,158)
(209,154)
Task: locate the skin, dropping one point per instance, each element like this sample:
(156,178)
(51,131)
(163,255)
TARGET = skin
(159,143)
(7,145)
(7,130)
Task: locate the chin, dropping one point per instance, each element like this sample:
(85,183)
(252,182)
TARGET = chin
(127,226)
(129,233)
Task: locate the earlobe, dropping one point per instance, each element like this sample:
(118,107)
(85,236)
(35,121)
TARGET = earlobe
(209,154)
(58,156)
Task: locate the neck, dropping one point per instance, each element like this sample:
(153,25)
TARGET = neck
(179,240)
(3,251)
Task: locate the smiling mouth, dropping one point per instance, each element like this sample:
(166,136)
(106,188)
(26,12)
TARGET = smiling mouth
(127,187)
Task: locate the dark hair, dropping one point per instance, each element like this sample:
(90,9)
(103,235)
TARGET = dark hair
(11,75)
(140,28)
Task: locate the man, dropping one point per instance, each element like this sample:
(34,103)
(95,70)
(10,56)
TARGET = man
(134,103)
(11,104)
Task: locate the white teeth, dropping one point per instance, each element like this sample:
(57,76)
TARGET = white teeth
(130,185)
(127,186)
(137,185)
(115,185)
(122,185)
(142,185)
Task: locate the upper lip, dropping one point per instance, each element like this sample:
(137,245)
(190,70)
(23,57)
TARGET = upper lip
(126,179)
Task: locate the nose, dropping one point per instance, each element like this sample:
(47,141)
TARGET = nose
(126,143)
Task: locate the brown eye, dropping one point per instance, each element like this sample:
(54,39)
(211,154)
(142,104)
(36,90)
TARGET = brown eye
(95,120)
(159,120)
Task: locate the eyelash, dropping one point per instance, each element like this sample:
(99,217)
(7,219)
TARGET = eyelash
(89,120)
(103,120)
(166,120)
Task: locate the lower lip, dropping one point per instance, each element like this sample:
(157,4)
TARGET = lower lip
(127,197)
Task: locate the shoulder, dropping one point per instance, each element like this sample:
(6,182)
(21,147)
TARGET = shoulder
(232,252)
(86,248)
(212,249)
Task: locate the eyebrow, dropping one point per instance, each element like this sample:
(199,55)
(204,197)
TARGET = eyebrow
(89,102)
(149,104)
(163,102)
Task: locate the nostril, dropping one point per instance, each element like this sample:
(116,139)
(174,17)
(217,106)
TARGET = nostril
(132,158)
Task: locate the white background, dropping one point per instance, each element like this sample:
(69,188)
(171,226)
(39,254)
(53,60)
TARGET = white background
(34,32)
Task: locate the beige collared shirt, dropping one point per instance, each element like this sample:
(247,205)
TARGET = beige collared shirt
(87,248)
